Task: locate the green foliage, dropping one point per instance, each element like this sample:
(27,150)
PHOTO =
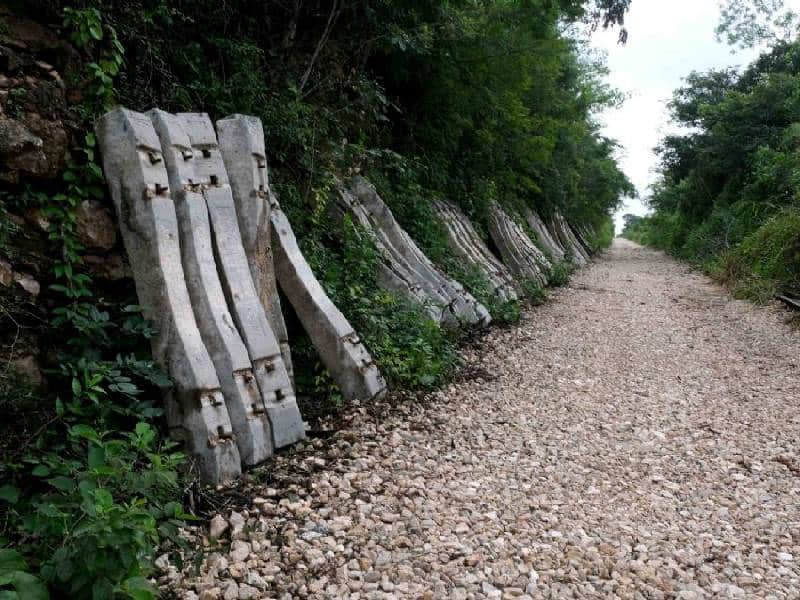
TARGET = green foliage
(534,292)
(767,261)
(16,582)
(90,487)
(728,194)
(560,272)
(87,29)
(408,346)
(92,519)
(602,235)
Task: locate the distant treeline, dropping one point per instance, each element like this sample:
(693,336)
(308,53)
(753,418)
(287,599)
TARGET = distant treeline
(727,196)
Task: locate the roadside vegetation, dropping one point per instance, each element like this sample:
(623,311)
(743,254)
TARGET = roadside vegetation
(728,195)
(727,198)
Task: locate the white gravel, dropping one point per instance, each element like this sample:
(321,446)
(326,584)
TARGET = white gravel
(636,438)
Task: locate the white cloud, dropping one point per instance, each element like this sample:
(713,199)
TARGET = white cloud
(666,41)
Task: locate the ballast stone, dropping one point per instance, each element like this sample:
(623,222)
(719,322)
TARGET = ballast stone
(196,410)
(216,325)
(465,242)
(265,353)
(350,365)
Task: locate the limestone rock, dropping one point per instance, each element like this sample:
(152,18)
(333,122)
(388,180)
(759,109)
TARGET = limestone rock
(20,150)
(217,527)
(95,226)
(111,267)
(28,283)
(28,366)
(6,273)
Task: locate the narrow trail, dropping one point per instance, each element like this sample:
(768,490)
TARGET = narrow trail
(637,437)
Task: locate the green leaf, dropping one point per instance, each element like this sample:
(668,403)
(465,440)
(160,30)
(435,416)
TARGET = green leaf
(9,493)
(29,587)
(97,456)
(40,471)
(65,484)
(10,561)
(103,498)
(84,432)
(96,31)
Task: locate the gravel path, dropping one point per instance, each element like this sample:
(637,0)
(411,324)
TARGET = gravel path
(635,438)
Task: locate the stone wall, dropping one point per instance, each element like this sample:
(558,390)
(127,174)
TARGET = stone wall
(39,89)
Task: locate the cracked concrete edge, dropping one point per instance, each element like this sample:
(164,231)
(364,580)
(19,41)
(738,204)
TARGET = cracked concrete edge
(265,353)
(139,186)
(216,325)
(241,141)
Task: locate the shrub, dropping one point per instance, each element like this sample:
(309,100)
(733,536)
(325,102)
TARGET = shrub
(560,272)
(534,292)
(603,236)
(767,261)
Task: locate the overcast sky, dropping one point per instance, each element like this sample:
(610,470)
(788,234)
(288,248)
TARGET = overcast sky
(666,41)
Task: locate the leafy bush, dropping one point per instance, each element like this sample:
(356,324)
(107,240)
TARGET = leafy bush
(533,291)
(409,347)
(16,581)
(560,272)
(727,196)
(93,513)
(603,235)
(767,261)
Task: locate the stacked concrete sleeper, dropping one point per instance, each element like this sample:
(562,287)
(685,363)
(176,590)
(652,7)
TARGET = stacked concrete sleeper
(517,250)
(137,178)
(199,246)
(406,268)
(466,243)
(346,358)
